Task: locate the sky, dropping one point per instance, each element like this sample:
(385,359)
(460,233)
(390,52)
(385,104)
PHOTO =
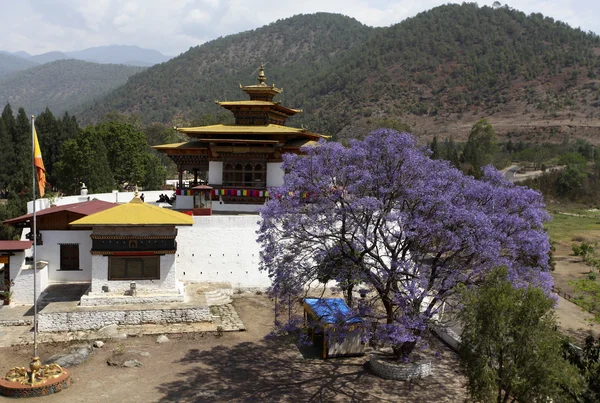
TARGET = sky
(173,26)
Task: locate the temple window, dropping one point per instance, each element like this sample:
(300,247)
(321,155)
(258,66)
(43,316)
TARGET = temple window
(134,268)
(247,174)
(69,256)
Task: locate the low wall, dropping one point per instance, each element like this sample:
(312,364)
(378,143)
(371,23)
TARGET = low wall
(447,335)
(99,300)
(384,368)
(94,320)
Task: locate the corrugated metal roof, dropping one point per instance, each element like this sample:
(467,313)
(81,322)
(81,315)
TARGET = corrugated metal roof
(83,208)
(6,246)
(136,212)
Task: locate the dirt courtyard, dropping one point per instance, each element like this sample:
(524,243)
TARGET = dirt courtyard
(239,366)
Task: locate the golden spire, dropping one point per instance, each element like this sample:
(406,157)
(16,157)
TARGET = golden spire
(261,75)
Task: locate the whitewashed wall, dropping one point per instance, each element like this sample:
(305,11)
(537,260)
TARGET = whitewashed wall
(274,174)
(50,252)
(184,202)
(22,276)
(167,283)
(221,249)
(168,273)
(215,172)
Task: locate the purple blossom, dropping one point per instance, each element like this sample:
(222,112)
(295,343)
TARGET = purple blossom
(382,214)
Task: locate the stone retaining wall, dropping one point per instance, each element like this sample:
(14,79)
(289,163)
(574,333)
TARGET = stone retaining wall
(383,368)
(100,300)
(93,320)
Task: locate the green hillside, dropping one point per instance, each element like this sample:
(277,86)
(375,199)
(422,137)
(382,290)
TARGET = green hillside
(62,85)
(439,71)
(10,64)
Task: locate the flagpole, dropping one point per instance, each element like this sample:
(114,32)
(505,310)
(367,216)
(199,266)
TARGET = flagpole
(33,179)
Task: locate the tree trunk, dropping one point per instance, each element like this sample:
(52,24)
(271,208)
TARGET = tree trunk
(348,292)
(402,351)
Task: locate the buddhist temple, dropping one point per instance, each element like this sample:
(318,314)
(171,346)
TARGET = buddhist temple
(239,161)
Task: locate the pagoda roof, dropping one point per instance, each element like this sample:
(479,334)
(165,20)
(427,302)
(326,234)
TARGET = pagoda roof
(189,145)
(248,103)
(261,88)
(240,129)
(202,144)
(135,213)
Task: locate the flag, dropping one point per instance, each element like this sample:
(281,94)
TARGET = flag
(40,171)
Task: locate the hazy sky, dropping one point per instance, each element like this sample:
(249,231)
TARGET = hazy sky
(173,26)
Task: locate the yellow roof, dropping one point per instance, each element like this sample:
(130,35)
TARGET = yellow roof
(227,104)
(241,129)
(136,212)
(196,144)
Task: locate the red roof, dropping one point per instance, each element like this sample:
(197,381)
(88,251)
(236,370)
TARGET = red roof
(84,208)
(6,246)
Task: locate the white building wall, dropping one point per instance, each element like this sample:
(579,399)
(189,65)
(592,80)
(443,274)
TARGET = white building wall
(21,275)
(274,174)
(50,252)
(215,173)
(221,249)
(184,202)
(167,283)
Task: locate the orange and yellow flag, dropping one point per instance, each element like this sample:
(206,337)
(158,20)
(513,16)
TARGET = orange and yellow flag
(39,165)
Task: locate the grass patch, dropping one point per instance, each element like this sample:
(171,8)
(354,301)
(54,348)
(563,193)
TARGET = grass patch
(587,295)
(565,227)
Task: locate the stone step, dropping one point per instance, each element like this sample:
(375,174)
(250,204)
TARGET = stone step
(217,297)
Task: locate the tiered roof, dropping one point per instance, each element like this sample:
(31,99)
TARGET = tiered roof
(260,126)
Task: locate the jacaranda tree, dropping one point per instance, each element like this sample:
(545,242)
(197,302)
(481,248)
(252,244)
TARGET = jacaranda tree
(409,228)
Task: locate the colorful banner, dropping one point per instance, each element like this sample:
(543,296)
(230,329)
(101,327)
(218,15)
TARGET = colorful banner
(240,192)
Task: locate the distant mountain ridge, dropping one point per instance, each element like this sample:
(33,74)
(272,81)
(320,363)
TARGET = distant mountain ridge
(10,64)
(62,85)
(439,71)
(112,54)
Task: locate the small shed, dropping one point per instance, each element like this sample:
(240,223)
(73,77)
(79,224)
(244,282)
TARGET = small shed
(323,316)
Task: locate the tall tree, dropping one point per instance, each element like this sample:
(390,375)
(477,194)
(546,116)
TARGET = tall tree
(412,227)
(51,138)
(510,347)
(126,148)
(480,147)
(21,181)
(6,157)
(84,160)
(435,149)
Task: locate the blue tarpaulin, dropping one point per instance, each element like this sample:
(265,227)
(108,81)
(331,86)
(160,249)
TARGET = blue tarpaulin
(331,310)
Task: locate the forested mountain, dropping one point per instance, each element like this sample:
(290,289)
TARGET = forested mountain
(49,57)
(10,64)
(439,71)
(187,85)
(62,85)
(120,54)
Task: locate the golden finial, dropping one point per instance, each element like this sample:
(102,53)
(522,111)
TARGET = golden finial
(261,75)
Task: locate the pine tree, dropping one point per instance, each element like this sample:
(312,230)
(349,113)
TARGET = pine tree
(435,149)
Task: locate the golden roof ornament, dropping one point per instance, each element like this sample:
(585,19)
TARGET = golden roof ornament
(261,75)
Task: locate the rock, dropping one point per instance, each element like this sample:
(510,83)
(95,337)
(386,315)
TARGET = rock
(127,359)
(132,364)
(76,355)
(108,331)
(98,344)
(162,339)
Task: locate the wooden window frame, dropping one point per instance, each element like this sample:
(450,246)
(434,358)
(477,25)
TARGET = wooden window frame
(244,174)
(127,260)
(66,262)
